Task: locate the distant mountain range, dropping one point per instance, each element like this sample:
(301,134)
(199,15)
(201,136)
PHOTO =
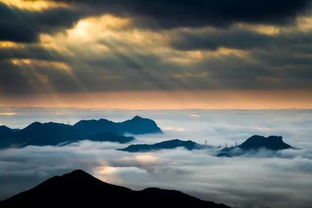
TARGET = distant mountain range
(251,145)
(41,134)
(170,144)
(95,130)
(255,143)
(80,190)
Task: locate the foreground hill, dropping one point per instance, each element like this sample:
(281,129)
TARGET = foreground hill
(57,133)
(170,144)
(256,143)
(79,189)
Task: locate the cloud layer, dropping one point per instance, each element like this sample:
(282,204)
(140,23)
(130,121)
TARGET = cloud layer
(259,181)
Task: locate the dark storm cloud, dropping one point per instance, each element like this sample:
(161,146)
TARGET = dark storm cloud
(238,73)
(242,39)
(281,61)
(194,13)
(268,70)
(26,26)
(212,40)
(19,80)
(31,52)
(13,80)
(112,73)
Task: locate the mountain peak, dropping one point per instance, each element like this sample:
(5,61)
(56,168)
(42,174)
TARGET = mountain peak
(137,118)
(4,128)
(79,177)
(258,137)
(75,177)
(78,172)
(140,125)
(140,119)
(270,143)
(35,124)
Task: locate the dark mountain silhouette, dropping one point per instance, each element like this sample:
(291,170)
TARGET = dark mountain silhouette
(255,143)
(270,143)
(5,134)
(139,125)
(136,125)
(79,189)
(171,144)
(56,133)
(5,130)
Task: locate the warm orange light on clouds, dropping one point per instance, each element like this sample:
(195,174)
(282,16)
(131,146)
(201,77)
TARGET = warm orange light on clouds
(161,100)
(8,44)
(41,63)
(8,113)
(33,5)
(113,60)
(88,30)
(262,29)
(146,159)
(303,23)
(196,56)
(103,35)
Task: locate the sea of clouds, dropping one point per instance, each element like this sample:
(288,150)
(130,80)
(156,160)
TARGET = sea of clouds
(264,179)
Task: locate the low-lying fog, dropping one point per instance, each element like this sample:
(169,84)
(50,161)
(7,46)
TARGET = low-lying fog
(262,180)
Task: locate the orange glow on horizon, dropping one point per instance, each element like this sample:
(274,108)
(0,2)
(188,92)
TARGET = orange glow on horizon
(172,100)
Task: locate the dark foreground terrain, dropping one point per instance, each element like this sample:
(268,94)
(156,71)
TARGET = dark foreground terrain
(79,189)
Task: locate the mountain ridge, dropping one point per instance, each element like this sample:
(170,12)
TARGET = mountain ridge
(169,144)
(80,189)
(52,133)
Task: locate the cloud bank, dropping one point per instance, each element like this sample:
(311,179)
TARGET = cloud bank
(258,181)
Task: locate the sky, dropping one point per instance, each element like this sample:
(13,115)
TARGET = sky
(136,54)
